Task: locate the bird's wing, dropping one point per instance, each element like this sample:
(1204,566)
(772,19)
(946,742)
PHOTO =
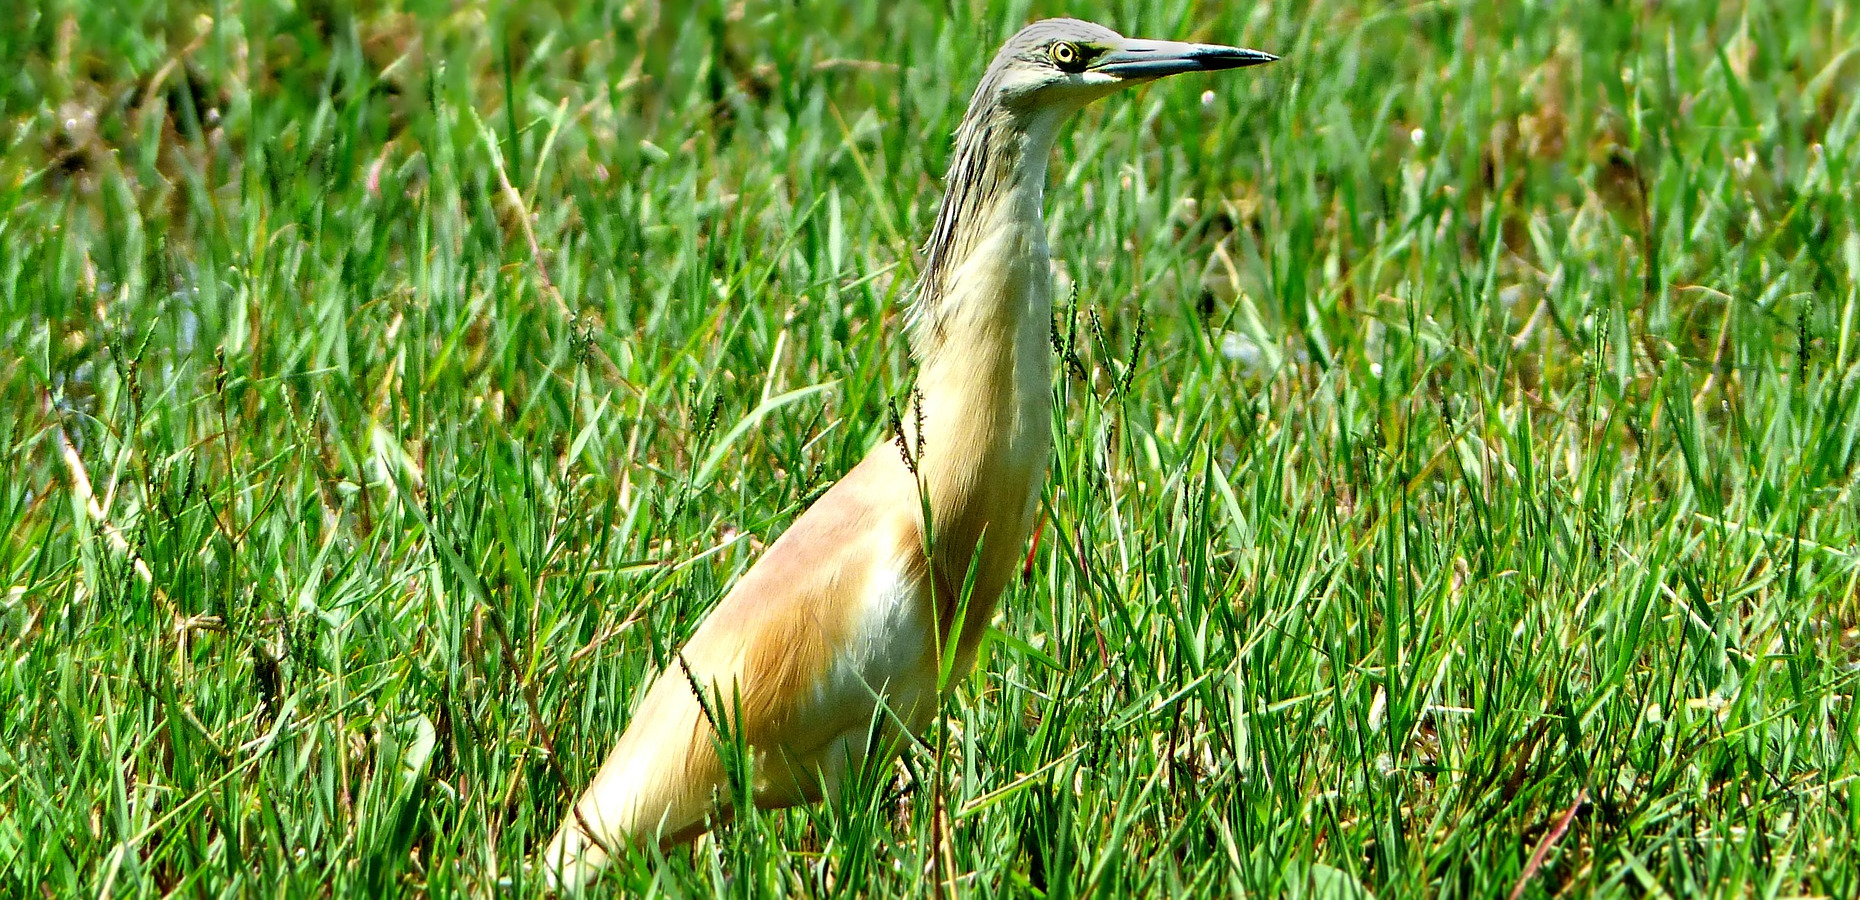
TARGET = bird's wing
(762,656)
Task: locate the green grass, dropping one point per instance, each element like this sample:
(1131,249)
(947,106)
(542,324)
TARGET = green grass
(1458,428)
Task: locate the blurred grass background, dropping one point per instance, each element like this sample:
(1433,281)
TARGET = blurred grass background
(1455,490)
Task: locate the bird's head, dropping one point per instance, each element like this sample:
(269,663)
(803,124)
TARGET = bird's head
(1059,65)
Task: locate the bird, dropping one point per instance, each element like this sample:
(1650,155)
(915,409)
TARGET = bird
(844,637)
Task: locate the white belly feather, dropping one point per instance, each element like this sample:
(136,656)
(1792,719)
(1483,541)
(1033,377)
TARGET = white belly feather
(885,673)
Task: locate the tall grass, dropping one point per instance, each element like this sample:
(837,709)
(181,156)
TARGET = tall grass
(1455,490)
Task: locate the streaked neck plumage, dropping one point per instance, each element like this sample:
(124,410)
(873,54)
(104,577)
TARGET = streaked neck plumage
(980,333)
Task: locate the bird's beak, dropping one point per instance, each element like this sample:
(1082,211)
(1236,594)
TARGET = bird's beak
(1140,60)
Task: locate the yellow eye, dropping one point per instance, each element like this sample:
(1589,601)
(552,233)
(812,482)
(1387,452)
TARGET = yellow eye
(1066,54)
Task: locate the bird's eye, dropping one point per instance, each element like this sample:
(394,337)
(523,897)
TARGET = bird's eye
(1066,54)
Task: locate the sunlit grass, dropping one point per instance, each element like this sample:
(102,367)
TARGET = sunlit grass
(1457,434)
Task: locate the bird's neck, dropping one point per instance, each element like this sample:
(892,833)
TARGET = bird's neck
(980,337)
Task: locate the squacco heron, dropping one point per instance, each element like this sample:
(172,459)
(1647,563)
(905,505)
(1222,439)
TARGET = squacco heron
(846,633)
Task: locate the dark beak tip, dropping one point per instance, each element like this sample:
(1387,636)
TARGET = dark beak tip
(1240,59)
